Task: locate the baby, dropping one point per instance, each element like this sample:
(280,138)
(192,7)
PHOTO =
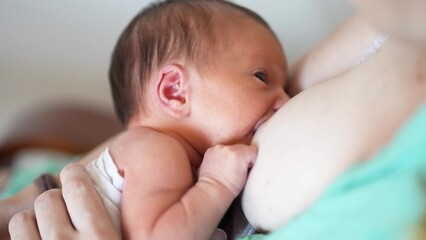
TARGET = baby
(191,100)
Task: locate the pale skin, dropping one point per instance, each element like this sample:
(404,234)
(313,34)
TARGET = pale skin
(400,83)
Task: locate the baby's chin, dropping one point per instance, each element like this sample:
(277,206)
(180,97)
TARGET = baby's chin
(246,140)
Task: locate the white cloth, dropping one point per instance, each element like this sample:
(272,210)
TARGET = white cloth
(109,184)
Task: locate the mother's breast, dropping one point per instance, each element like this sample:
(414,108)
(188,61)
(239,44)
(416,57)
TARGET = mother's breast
(302,148)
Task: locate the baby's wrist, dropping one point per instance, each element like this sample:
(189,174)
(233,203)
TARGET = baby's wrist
(223,189)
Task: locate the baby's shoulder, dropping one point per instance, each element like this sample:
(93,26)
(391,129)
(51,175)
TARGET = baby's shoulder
(143,143)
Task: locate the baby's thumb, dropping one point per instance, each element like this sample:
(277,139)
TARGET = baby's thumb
(253,156)
(219,234)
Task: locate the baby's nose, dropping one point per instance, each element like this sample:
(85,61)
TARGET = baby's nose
(282,98)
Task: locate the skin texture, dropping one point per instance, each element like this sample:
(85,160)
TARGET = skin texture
(243,88)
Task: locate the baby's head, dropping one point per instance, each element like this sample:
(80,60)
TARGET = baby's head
(190,57)
(165,32)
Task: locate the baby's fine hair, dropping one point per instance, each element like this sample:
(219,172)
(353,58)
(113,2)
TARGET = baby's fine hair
(164,32)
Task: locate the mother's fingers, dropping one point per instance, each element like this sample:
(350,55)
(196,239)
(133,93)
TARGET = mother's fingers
(52,216)
(85,208)
(23,226)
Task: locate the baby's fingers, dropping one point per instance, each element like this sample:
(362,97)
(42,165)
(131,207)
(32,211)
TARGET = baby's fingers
(248,154)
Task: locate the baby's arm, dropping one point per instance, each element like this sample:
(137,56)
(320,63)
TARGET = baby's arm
(335,55)
(160,200)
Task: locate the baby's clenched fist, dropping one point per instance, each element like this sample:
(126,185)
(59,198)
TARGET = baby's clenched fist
(228,166)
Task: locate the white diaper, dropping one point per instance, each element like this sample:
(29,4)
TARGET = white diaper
(109,184)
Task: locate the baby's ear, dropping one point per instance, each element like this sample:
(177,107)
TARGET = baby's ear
(172,90)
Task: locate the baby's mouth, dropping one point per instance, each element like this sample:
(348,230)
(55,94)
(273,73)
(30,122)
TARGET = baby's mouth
(262,121)
(257,126)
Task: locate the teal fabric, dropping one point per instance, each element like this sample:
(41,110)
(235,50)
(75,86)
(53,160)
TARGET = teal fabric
(23,175)
(382,198)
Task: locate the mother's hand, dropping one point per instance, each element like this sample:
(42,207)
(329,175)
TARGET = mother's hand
(75,212)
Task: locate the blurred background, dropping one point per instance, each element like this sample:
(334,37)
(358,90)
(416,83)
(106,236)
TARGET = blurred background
(59,51)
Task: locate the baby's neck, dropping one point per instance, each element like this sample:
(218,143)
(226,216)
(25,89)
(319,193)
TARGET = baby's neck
(195,157)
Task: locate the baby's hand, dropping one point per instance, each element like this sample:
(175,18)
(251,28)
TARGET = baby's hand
(228,166)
